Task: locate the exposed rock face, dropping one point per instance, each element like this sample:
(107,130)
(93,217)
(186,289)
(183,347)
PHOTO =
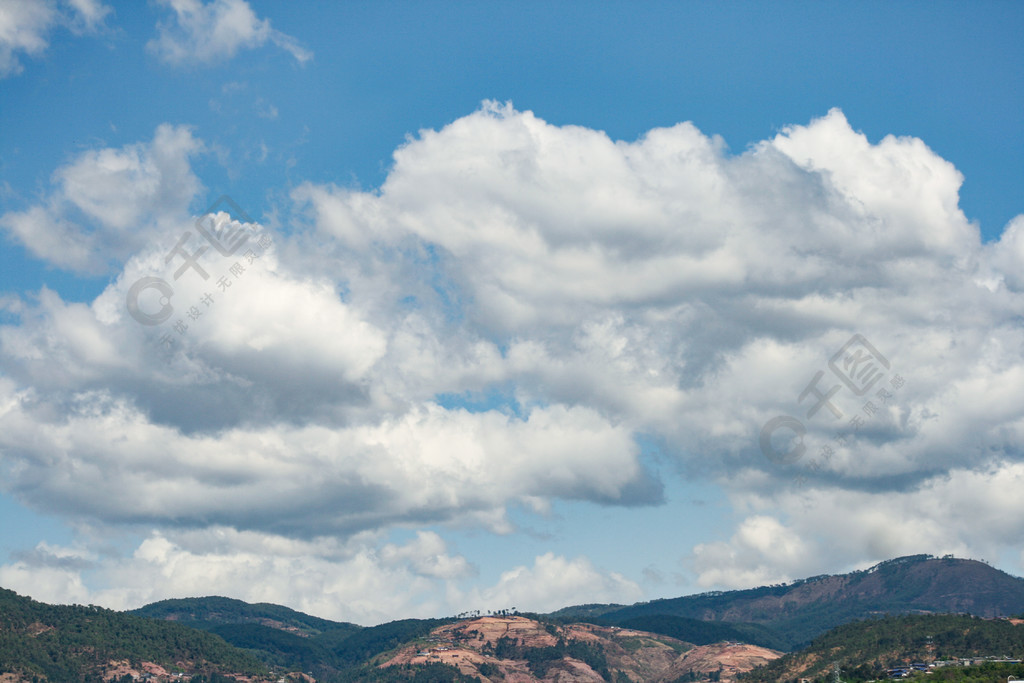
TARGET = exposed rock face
(482,647)
(731,659)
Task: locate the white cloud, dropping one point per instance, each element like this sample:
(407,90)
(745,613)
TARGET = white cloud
(554,582)
(215,31)
(429,466)
(762,551)
(25,26)
(88,15)
(359,580)
(830,528)
(572,292)
(110,203)
(428,556)
(47,584)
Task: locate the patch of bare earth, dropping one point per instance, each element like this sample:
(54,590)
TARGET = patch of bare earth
(37,628)
(639,655)
(14,678)
(118,668)
(731,659)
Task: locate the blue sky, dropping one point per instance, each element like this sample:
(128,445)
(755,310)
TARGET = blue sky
(509,327)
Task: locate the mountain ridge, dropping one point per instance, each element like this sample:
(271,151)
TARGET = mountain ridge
(802,609)
(711,636)
(208,612)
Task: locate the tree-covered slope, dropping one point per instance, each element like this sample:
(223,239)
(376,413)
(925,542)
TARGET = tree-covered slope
(209,612)
(76,643)
(865,649)
(699,632)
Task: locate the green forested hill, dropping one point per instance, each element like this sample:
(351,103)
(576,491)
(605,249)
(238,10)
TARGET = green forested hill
(864,649)
(74,643)
(208,613)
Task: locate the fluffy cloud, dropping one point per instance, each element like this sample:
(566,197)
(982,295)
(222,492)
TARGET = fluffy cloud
(554,582)
(760,552)
(828,527)
(695,293)
(282,408)
(25,26)
(109,203)
(206,33)
(498,324)
(429,466)
(360,580)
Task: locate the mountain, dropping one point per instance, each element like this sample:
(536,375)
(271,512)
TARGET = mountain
(290,640)
(710,637)
(797,612)
(76,643)
(523,649)
(209,613)
(700,632)
(865,649)
(488,648)
(513,647)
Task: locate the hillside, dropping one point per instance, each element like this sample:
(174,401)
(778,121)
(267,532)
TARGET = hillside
(516,648)
(712,636)
(700,632)
(521,649)
(208,613)
(799,611)
(290,640)
(865,649)
(75,643)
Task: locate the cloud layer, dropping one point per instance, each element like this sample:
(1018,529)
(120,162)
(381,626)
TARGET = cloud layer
(499,325)
(108,204)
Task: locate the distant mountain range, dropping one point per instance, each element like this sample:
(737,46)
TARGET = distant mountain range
(793,614)
(712,636)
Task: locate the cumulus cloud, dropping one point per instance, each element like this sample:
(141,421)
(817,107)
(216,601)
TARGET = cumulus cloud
(108,203)
(359,580)
(554,582)
(500,322)
(215,31)
(761,551)
(696,294)
(426,467)
(25,26)
(827,527)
